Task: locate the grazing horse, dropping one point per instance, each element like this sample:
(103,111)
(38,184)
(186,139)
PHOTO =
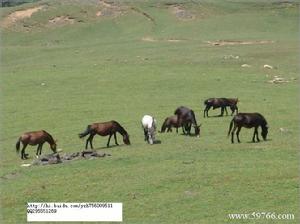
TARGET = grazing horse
(223,103)
(169,123)
(248,120)
(186,118)
(106,128)
(149,126)
(35,138)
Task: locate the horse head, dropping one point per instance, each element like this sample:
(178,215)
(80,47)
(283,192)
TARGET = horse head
(151,135)
(264,131)
(53,146)
(197,130)
(126,139)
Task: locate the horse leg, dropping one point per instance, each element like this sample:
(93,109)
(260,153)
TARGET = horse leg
(238,134)
(150,137)
(91,140)
(183,129)
(87,141)
(189,126)
(234,108)
(255,133)
(115,138)
(145,134)
(38,150)
(226,111)
(41,148)
(222,112)
(109,140)
(232,134)
(206,110)
(257,138)
(23,156)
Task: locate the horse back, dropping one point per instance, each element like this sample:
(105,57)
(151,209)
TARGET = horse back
(104,128)
(250,120)
(34,137)
(231,101)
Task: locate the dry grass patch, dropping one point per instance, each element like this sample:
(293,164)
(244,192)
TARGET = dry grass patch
(14,17)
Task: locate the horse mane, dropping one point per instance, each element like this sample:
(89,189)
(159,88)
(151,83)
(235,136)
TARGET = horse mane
(49,137)
(121,129)
(194,118)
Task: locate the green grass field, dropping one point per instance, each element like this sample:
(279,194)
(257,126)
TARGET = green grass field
(149,57)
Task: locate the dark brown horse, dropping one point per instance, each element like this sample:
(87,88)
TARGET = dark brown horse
(248,120)
(186,118)
(106,128)
(221,102)
(35,138)
(170,122)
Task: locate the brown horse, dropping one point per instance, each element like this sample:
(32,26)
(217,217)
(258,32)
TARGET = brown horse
(223,103)
(248,120)
(106,128)
(35,138)
(170,122)
(186,118)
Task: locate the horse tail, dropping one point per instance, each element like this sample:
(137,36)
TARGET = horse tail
(86,132)
(164,126)
(18,145)
(230,127)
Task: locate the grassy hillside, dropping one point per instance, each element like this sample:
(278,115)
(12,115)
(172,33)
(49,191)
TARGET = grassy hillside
(76,62)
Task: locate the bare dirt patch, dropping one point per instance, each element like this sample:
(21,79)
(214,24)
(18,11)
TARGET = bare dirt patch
(181,13)
(19,15)
(56,158)
(61,20)
(238,42)
(149,39)
(109,9)
(280,80)
(171,40)
(10,176)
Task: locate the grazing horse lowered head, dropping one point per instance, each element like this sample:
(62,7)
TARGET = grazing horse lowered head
(35,138)
(106,128)
(186,118)
(223,103)
(248,120)
(149,126)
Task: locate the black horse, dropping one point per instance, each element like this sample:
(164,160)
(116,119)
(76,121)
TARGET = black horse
(186,118)
(221,102)
(248,120)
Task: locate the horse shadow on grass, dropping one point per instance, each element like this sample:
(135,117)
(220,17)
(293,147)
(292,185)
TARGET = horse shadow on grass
(218,116)
(156,142)
(256,142)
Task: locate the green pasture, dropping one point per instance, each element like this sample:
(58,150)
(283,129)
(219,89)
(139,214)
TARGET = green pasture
(122,65)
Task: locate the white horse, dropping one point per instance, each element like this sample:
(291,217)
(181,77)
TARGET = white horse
(149,126)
